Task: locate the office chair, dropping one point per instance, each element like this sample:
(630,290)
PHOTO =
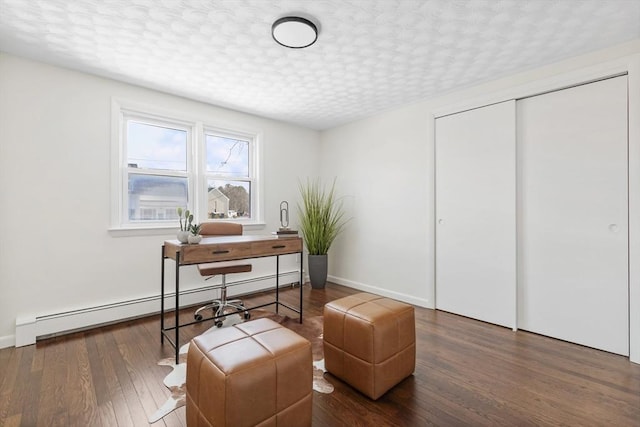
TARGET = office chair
(212,269)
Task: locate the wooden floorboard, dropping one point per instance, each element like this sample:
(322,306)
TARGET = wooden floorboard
(467,373)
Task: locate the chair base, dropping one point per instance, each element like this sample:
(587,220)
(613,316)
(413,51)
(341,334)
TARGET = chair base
(218,307)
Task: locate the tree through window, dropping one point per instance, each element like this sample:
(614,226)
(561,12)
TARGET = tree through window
(229,168)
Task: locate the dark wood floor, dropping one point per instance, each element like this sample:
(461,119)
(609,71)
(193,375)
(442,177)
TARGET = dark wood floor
(467,373)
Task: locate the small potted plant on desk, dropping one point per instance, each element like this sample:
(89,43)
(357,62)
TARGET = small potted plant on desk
(183,234)
(189,232)
(194,234)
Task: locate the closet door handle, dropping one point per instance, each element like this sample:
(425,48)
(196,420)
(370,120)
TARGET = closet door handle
(614,228)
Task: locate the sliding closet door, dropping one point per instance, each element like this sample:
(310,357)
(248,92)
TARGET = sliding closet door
(573,227)
(475,213)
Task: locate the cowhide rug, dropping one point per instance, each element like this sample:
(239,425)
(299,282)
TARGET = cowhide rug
(311,329)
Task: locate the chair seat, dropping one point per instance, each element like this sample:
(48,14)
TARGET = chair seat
(215,268)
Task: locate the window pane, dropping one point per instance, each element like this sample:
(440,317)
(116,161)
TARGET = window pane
(153,198)
(227,156)
(156,147)
(229,199)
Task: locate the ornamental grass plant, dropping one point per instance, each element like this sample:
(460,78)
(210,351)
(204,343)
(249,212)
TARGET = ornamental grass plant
(321,216)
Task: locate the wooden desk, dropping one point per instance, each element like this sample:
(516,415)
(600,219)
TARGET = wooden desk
(224,248)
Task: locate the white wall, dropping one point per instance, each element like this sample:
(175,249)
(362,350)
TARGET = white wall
(391,251)
(383,169)
(56,253)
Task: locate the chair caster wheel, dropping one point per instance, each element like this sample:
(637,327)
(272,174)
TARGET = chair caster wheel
(219,323)
(247,315)
(198,317)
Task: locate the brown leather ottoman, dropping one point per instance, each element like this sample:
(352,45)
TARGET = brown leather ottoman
(369,342)
(256,373)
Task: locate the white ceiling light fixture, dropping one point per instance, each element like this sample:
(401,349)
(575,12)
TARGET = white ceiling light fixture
(294,32)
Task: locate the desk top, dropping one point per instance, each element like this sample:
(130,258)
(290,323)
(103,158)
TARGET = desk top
(229,239)
(228,248)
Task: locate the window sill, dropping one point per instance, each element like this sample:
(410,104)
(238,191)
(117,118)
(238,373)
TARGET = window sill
(164,230)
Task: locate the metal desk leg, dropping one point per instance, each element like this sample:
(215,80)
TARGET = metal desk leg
(301,283)
(277,282)
(177,306)
(162,297)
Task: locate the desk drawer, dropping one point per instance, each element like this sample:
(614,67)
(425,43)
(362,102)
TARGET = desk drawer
(276,247)
(194,254)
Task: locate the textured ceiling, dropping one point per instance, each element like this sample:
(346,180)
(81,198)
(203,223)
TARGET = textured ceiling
(371,55)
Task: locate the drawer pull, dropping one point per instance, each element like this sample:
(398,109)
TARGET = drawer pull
(278,247)
(220,252)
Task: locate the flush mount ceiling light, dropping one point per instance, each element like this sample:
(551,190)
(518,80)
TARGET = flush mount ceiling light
(294,32)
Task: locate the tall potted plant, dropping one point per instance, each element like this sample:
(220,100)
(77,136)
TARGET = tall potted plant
(321,218)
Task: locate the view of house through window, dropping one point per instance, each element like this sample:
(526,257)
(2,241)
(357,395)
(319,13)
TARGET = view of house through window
(228,199)
(228,168)
(161,171)
(156,171)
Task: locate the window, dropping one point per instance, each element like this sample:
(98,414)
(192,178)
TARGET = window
(229,180)
(157,172)
(165,163)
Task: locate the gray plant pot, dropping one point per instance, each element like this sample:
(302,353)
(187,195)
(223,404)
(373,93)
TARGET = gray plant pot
(318,271)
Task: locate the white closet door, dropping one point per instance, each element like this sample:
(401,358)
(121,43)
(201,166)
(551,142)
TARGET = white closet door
(475,213)
(573,227)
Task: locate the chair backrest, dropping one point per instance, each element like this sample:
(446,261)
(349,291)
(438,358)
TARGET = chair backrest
(221,229)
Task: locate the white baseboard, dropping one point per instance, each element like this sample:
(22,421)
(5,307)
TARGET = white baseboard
(7,341)
(30,328)
(421,302)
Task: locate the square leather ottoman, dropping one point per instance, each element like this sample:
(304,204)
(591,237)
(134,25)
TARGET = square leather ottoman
(256,373)
(369,342)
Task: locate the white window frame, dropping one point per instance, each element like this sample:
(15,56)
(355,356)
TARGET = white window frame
(126,170)
(253,169)
(196,174)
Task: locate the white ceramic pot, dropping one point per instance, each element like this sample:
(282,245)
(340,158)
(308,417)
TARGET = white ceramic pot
(194,239)
(183,236)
